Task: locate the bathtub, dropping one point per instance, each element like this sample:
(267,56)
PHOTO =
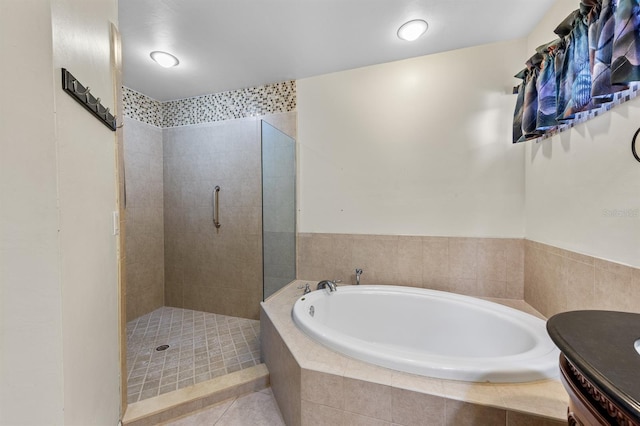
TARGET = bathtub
(430,333)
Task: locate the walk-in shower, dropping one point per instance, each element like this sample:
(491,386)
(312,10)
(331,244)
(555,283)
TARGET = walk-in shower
(210,233)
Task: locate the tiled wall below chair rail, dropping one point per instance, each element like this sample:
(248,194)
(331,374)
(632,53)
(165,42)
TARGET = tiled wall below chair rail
(485,267)
(549,278)
(558,280)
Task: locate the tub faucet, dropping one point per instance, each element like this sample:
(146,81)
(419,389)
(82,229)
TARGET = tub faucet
(328,283)
(358,273)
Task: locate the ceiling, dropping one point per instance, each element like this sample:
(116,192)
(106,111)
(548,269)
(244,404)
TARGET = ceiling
(232,44)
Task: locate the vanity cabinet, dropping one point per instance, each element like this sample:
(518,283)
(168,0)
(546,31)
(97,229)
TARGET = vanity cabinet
(599,366)
(588,405)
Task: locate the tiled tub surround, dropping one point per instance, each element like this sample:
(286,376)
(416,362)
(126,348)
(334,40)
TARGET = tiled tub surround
(486,267)
(144,239)
(549,278)
(558,280)
(202,346)
(317,386)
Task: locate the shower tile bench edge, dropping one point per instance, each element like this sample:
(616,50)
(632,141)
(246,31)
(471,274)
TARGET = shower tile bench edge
(315,385)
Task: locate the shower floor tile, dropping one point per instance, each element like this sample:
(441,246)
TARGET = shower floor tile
(202,346)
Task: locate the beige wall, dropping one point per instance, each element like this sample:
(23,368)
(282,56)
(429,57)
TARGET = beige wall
(87,199)
(30,297)
(207,269)
(414,147)
(543,31)
(579,254)
(145,215)
(59,272)
(422,147)
(578,180)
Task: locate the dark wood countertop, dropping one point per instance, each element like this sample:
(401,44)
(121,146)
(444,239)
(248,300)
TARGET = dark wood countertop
(601,345)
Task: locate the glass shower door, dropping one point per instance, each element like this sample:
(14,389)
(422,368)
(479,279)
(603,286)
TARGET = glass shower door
(278,208)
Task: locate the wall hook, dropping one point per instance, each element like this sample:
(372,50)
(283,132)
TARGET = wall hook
(103,114)
(634,151)
(75,89)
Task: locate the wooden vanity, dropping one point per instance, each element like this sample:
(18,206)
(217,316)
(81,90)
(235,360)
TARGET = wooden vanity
(600,365)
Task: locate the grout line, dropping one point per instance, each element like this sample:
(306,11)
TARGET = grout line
(224,413)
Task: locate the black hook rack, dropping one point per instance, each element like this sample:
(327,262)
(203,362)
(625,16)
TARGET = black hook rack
(83,96)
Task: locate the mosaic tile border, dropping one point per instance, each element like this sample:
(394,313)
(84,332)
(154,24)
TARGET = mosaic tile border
(141,107)
(234,104)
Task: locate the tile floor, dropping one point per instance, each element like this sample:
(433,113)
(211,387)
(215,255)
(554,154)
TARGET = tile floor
(201,346)
(255,409)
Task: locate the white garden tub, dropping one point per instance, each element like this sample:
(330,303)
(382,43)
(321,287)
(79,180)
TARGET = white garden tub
(431,333)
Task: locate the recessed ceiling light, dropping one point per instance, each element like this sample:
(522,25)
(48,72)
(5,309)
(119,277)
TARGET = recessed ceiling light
(411,30)
(164,59)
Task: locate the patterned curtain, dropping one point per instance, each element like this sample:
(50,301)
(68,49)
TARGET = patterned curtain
(602,89)
(530,107)
(547,88)
(625,63)
(517,116)
(597,54)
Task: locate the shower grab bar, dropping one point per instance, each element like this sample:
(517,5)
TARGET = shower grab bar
(216,212)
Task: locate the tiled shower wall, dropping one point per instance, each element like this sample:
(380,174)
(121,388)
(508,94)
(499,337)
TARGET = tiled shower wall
(209,269)
(144,243)
(486,267)
(190,166)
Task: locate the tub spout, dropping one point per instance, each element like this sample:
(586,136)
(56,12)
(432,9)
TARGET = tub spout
(358,273)
(327,283)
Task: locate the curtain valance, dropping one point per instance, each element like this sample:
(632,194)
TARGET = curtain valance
(592,65)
